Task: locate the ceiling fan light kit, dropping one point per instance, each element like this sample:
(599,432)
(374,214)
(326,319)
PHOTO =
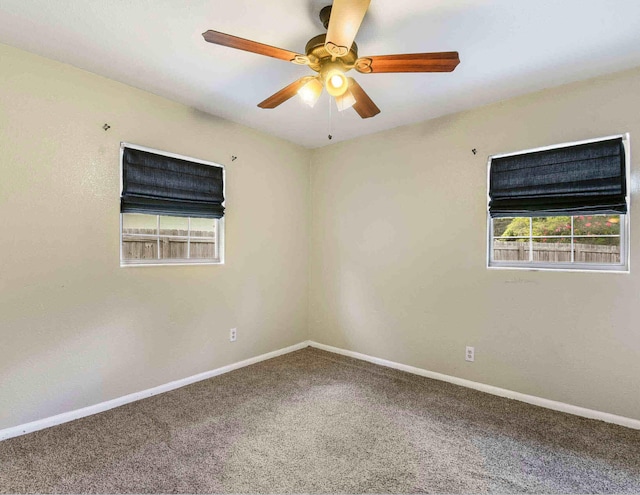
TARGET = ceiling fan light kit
(332,55)
(334,79)
(311,91)
(345,100)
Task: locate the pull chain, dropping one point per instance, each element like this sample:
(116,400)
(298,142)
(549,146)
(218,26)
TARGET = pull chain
(330,121)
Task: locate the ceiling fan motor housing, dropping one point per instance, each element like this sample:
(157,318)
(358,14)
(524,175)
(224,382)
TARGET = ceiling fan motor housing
(316,50)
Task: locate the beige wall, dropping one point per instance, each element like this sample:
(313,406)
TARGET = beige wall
(398,253)
(75,328)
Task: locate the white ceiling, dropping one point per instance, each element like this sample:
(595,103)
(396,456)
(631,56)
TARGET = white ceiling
(507,48)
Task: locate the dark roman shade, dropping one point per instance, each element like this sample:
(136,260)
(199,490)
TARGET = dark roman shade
(581,179)
(162,185)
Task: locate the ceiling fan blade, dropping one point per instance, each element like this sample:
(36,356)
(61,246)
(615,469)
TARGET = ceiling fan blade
(345,20)
(410,62)
(249,46)
(364,105)
(285,93)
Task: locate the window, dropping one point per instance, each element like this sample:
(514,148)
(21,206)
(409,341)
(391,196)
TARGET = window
(171,209)
(561,208)
(161,239)
(564,240)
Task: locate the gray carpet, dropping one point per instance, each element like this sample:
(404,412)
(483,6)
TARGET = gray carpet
(316,422)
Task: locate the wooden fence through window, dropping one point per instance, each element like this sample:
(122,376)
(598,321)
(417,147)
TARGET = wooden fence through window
(144,246)
(555,252)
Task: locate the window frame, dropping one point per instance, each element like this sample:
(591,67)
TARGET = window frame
(219,237)
(622,267)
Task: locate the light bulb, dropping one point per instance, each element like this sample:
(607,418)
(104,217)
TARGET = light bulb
(336,82)
(310,92)
(347,100)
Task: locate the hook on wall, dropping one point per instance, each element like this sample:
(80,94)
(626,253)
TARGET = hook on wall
(474,151)
(106,127)
(233,158)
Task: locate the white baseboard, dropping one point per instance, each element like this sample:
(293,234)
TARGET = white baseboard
(120,401)
(502,392)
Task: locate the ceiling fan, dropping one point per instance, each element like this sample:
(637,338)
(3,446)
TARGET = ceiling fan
(333,54)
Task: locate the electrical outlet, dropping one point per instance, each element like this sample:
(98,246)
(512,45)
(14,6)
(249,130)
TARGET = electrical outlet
(233,334)
(469,354)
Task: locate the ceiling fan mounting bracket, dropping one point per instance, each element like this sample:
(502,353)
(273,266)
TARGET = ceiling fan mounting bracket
(325,15)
